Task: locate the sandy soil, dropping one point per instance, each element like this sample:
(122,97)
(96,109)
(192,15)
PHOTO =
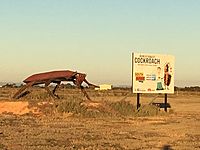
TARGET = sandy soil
(18,108)
(179,129)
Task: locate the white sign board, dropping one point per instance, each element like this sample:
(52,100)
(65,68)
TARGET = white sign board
(152,73)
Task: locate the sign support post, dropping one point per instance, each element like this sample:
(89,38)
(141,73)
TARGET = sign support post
(138,100)
(165,102)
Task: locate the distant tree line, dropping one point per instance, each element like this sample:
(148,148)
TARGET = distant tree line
(70,86)
(187,88)
(9,85)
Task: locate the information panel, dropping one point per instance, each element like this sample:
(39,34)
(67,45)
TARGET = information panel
(152,73)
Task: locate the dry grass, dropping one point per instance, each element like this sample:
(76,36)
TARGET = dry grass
(72,101)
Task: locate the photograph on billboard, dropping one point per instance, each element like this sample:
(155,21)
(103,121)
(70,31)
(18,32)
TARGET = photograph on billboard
(152,73)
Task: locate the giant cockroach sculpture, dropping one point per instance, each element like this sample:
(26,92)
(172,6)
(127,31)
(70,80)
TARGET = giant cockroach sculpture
(54,77)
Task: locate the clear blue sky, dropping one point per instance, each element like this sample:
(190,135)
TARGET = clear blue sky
(97,37)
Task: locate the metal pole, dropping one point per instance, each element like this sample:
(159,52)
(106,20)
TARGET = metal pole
(138,100)
(165,102)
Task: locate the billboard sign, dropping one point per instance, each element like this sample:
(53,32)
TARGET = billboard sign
(152,73)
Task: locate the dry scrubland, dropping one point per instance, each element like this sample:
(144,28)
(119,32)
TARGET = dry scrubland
(112,122)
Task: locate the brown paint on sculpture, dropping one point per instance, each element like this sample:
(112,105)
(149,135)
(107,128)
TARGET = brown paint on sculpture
(54,77)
